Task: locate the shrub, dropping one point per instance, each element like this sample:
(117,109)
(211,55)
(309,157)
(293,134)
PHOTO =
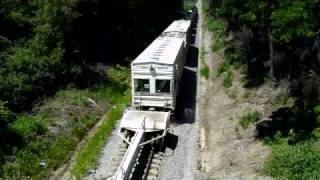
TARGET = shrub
(215,25)
(218,28)
(234,54)
(222,68)
(217,44)
(294,162)
(249,118)
(228,78)
(29,126)
(205,71)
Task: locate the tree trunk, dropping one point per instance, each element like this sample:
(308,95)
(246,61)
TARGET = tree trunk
(271,53)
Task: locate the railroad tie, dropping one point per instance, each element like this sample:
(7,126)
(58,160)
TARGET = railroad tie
(152,178)
(156,161)
(155,166)
(153,172)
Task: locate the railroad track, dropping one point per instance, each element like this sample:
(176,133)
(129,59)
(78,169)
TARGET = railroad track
(147,164)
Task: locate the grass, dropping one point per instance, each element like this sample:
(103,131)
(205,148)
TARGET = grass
(119,95)
(295,154)
(283,97)
(217,27)
(228,79)
(50,134)
(232,93)
(294,162)
(249,118)
(205,71)
(88,157)
(225,69)
(217,44)
(222,68)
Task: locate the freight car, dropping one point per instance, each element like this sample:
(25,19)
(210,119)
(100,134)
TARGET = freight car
(156,74)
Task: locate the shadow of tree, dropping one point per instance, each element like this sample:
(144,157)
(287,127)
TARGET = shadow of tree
(292,123)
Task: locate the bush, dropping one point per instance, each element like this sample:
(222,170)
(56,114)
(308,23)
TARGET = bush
(228,78)
(29,126)
(205,71)
(218,28)
(234,54)
(72,115)
(294,162)
(249,118)
(215,25)
(222,68)
(217,44)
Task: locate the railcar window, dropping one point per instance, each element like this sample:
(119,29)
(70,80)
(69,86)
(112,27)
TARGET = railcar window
(163,86)
(142,85)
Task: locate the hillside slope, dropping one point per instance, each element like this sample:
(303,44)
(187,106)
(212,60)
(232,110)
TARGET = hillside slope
(227,149)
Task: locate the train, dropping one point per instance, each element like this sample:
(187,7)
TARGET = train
(155,78)
(157,71)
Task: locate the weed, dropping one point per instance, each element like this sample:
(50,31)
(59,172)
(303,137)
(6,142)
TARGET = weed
(228,78)
(203,55)
(231,163)
(249,118)
(232,94)
(283,97)
(204,72)
(246,94)
(218,28)
(215,25)
(222,68)
(216,45)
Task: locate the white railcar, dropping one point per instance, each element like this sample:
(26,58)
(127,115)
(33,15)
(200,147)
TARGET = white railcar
(157,71)
(156,75)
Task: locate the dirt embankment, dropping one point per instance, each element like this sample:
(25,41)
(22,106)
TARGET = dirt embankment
(227,150)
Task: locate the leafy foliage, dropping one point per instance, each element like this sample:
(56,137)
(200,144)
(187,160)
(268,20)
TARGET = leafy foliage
(286,20)
(279,40)
(228,78)
(46,46)
(205,71)
(294,162)
(51,134)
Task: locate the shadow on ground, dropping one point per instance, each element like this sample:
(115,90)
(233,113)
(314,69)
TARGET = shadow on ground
(288,122)
(186,99)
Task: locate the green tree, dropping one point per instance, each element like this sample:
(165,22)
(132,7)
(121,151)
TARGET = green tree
(293,19)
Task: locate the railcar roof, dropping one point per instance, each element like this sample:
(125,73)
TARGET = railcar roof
(181,25)
(163,50)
